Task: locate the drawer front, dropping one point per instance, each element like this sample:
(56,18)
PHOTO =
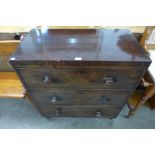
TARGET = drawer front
(79,78)
(79,97)
(101,111)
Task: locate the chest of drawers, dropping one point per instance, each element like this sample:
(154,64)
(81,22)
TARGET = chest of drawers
(80,72)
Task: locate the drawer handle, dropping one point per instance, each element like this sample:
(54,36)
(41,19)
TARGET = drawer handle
(103,100)
(98,113)
(58,112)
(54,99)
(48,79)
(109,80)
(106,80)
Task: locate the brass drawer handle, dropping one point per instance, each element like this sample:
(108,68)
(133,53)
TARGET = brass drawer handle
(103,99)
(98,113)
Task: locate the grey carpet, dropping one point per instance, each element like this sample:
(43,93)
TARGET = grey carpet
(21,114)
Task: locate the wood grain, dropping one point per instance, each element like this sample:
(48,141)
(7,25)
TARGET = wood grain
(79,97)
(91,45)
(10,86)
(79,84)
(83,111)
(80,77)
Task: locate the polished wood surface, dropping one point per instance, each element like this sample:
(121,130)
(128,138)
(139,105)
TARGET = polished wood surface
(79,68)
(82,111)
(8,47)
(83,44)
(10,86)
(47,98)
(80,77)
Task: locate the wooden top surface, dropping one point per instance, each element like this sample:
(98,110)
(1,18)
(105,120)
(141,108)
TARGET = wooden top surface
(79,45)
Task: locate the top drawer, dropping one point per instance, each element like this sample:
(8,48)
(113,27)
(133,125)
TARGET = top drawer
(80,78)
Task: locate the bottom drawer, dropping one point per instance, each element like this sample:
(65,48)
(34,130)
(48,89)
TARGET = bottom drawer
(67,111)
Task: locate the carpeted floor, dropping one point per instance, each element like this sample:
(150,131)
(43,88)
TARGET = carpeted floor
(21,114)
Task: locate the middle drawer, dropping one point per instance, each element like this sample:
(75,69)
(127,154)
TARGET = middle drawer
(80,78)
(46,98)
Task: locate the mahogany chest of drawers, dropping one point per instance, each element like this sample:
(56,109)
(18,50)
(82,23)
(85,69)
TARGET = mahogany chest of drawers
(80,72)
